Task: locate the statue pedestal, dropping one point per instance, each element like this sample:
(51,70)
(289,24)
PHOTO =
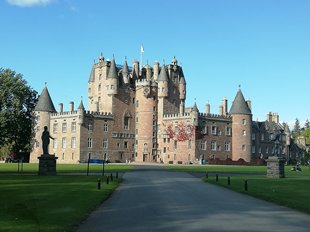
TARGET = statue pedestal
(47,165)
(275,167)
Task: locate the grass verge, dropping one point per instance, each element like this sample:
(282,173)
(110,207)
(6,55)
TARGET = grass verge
(292,191)
(49,203)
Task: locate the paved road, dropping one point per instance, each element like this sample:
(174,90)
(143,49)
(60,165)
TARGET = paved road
(171,201)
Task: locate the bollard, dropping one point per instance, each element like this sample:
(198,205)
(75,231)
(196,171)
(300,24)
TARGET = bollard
(116,176)
(228,180)
(207,175)
(217,177)
(107,179)
(111,177)
(245,185)
(99,184)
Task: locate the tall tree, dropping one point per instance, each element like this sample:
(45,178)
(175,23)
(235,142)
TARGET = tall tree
(297,126)
(307,124)
(17,101)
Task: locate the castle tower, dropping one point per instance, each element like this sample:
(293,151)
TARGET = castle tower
(42,112)
(182,90)
(81,113)
(194,115)
(112,79)
(241,128)
(146,121)
(125,73)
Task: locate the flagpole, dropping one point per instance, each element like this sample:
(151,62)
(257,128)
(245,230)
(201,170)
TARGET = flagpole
(141,53)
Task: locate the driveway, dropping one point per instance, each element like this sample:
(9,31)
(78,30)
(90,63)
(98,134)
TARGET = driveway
(158,200)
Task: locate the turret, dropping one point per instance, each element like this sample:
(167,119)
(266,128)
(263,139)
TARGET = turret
(182,87)
(135,70)
(42,111)
(208,108)
(195,113)
(241,128)
(148,69)
(224,105)
(163,83)
(81,113)
(155,70)
(125,73)
(112,79)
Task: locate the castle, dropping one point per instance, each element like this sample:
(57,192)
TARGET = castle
(139,114)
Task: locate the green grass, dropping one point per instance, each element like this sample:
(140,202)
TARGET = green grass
(219,169)
(49,203)
(64,168)
(292,191)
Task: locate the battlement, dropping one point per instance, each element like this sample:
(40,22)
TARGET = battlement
(99,114)
(143,83)
(64,114)
(177,116)
(214,116)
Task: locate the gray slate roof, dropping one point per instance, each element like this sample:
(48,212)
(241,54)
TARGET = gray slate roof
(81,106)
(45,102)
(163,76)
(92,75)
(239,105)
(125,68)
(112,72)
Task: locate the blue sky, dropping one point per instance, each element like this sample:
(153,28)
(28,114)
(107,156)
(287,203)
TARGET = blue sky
(262,45)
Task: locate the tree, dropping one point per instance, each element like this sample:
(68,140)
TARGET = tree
(17,101)
(297,129)
(307,124)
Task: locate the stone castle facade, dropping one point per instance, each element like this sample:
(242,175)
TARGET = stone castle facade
(140,115)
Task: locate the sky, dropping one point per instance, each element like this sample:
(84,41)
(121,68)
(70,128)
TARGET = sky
(261,45)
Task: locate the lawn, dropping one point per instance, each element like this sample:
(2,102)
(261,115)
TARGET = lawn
(64,168)
(49,203)
(292,191)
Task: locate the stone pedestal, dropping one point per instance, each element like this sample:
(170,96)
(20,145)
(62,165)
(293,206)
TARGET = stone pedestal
(275,167)
(47,165)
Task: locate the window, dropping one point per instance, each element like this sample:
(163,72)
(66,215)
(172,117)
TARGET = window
(253,149)
(99,87)
(267,150)
(164,150)
(137,103)
(203,145)
(205,130)
(243,147)
(125,144)
(253,136)
(262,137)
(105,127)
(73,142)
(137,119)
(189,144)
(63,143)
(214,130)
(228,130)
(227,146)
(55,143)
(55,127)
(145,147)
(90,127)
(73,127)
(105,143)
(244,133)
(64,127)
(175,145)
(89,142)
(165,140)
(112,86)
(126,123)
(213,145)
(243,122)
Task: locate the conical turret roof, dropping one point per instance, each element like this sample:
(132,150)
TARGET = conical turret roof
(239,105)
(45,102)
(195,108)
(112,72)
(125,67)
(163,76)
(81,106)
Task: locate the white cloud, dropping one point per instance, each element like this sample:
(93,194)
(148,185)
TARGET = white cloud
(29,3)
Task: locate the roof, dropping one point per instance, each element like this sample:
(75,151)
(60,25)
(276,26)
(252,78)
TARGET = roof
(125,67)
(112,72)
(81,106)
(163,76)
(92,75)
(195,108)
(45,102)
(239,105)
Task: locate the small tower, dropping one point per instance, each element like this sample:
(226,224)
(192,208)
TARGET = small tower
(195,114)
(155,70)
(163,83)
(112,79)
(81,113)
(135,70)
(42,111)
(125,73)
(241,128)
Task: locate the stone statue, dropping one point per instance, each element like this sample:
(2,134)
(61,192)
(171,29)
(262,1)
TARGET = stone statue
(45,140)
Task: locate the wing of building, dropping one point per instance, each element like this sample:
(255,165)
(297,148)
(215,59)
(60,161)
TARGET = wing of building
(140,115)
